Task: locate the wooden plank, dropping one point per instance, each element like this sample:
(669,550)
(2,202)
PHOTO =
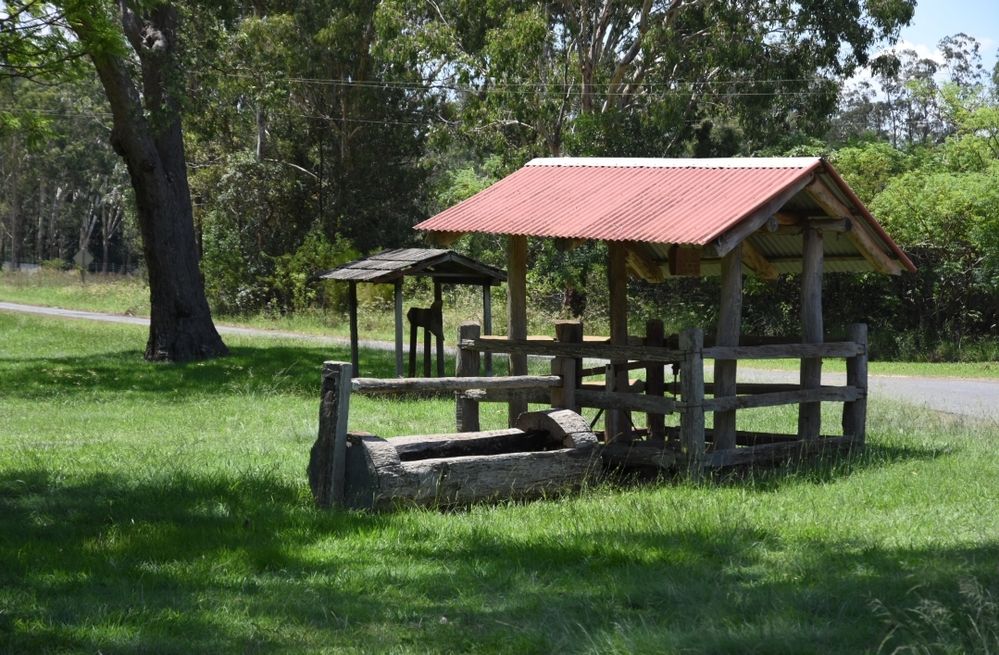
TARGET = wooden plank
(655,380)
(467,366)
(487,322)
(327,459)
(352,311)
(397,293)
(857,233)
(810,413)
(784,351)
(729,327)
(617,422)
(611,400)
(585,349)
(465,444)
(410,385)
(855,412)
(692,394)
(815,395)
(758,218)
(756,262)
(776,452)
(535,396)
(516,289)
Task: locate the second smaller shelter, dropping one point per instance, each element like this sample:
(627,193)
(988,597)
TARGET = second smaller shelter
(393,266)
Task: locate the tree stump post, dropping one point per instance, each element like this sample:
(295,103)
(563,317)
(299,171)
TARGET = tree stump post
(564,397)
(467,365)
(692,395)
(655,380)
(328,457)
(855,413)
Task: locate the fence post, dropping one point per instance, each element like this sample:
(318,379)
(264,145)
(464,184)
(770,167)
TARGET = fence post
(327,459)
(692,393)
(466,410)
(655,380)
(855,413)
(564,397)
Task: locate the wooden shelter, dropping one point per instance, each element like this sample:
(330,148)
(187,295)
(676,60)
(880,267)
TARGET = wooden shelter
(687,217)
(393,266)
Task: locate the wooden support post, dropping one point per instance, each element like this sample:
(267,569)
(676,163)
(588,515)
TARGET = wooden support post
(487,322)
(398,328)
(413,332)
(810,414)
(729,328)
(855,413)
(516,288)
(618,422)
(692,396)
(655,380)
(328,457)
(567,367)
(467,365)
(438,302)
(352,310)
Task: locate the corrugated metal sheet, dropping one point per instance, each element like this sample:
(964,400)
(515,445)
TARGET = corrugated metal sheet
(688,201)
(391,265)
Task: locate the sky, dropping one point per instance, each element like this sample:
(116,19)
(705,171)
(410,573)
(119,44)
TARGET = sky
(935,19)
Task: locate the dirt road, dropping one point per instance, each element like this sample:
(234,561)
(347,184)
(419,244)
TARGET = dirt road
(959,396)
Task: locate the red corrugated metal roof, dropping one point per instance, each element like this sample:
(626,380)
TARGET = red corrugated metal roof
(678,201)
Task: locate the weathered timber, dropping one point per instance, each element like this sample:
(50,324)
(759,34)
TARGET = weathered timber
(654,454)
(487,322)
(490,442)
(397,302)
(328,456)
(516,289)
(810,413)
(352,312)
(757,262)
(729,327)
(617,421)
(692,394)
(655,380)
(784,351)
(567,367)
(759,218)
(611,400)
(777,452)
(409,385)
(586,349)
(826,394)
(439,335)
(855,412)
(467,366)
(534,396)
(377,477)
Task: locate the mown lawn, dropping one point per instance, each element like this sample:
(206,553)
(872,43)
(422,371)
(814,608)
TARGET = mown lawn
(164,509)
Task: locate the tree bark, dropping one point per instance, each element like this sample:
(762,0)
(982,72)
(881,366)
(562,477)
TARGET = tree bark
(147,135)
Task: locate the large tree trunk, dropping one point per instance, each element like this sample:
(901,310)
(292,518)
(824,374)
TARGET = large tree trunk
(147,134)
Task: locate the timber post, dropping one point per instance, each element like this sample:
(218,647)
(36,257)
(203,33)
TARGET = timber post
(467,365)
(397,299)
(655,380)
(729,328)
(567,367)
(487,323)
(692,395)
(352,310)
(617,422)
(810,414)
(855,413)
(516,289)
(327,460)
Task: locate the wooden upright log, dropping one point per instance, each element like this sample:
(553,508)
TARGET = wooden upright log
(729,328)
(352,310)
(487,322)
(692,396)
(397,292)
(467,365)
(439,303)
(617,423)
(855,413)
(810,414)
(567,367)
(655,380)
(516,288)
(326,468)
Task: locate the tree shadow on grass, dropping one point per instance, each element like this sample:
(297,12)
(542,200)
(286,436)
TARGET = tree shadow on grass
(242,563)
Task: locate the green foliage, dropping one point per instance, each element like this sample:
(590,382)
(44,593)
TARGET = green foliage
(294,280)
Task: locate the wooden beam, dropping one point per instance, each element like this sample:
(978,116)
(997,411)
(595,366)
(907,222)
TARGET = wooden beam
(644,266)
(516,289)
(439,337)
(617,423)
(729,327)
(655,380)
(855,413)
(858,234)
(810,413)
(692,396)
(758,219)
(397,292)
(411,385)
(487,322)
(756,262)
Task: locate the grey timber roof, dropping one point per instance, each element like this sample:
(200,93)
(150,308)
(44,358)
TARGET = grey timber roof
(444,266)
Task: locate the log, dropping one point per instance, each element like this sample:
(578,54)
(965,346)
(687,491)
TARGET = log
(567,367)
(692,409)
(639,454)
(611,400)
(617,421)
(516,290)
(327,459)
(855,412)
(467,366)
(729,327)
(655,380)
(776,452)
(534,396)
(411,385)
(586,349)
(810,413)
(784,351)
(490,442)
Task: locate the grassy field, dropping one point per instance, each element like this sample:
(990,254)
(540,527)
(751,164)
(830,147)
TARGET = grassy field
(164,509)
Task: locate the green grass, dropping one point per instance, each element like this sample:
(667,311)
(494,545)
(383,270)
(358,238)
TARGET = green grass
(163,508)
